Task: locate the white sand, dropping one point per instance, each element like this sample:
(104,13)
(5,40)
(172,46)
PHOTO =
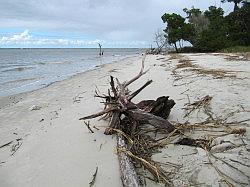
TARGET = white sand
(56,149)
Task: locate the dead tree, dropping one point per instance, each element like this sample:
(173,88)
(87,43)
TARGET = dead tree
(160,41)
(125,115)
(100,49)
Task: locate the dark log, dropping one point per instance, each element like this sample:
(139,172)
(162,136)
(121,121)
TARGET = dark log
(148,118)
(161,107)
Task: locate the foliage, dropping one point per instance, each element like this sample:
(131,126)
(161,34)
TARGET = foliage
(234,49)
(215,36)
(177,29)
(209,30)
(239,25)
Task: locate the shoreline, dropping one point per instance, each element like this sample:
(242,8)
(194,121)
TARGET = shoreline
(45,67)
(54,148)
(7,99)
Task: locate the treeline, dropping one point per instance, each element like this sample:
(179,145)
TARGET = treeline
(209,30)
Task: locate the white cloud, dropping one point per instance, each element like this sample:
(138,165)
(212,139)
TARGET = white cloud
(25,39)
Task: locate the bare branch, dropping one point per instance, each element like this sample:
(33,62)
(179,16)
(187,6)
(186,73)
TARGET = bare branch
(140,73)
(98,114)
(139,90)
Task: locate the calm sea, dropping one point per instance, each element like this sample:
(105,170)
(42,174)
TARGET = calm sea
(24,70)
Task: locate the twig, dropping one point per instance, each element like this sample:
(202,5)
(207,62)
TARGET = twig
(6,144)
(15,147)
(96,128)
(88,126)
(92,182)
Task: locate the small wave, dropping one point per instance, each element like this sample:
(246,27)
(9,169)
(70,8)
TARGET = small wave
(59,62)
(41,63)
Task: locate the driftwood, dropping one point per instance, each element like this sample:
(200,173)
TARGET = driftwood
(128,174)
(100,49)
(125,116)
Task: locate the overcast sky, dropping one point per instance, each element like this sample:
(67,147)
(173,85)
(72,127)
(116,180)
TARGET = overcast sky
(84,23)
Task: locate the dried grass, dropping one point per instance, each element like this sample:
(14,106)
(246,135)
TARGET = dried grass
(189,66)
(238,57)
(174,56)
(202,103)
(216,73)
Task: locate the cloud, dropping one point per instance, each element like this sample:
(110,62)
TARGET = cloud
(109,20)
(16,38)
(26,39)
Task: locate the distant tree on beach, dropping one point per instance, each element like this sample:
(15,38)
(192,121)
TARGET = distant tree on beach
(176,29)
(160,39)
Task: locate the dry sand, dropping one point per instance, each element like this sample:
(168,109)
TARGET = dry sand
(49,146)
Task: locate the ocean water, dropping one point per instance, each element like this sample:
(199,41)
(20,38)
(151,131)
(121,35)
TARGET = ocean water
(24,70)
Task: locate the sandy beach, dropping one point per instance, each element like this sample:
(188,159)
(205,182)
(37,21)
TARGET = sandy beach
(44,144)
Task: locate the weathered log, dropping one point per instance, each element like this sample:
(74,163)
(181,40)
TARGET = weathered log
(128,174)
(161,107)
(114,123)
(148,118)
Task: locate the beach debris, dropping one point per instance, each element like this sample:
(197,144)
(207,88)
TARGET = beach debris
(237,57)
(142,129)
(92,182)
(203,103)
(16,146)
(187,65)
(96,128)
(78,97)
(6,144)
(35,107)
(202,143)
(88,126)
(129,121)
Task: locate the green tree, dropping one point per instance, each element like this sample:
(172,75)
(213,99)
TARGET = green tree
(215,37)
(239,25)
(198,22)
(177,29)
